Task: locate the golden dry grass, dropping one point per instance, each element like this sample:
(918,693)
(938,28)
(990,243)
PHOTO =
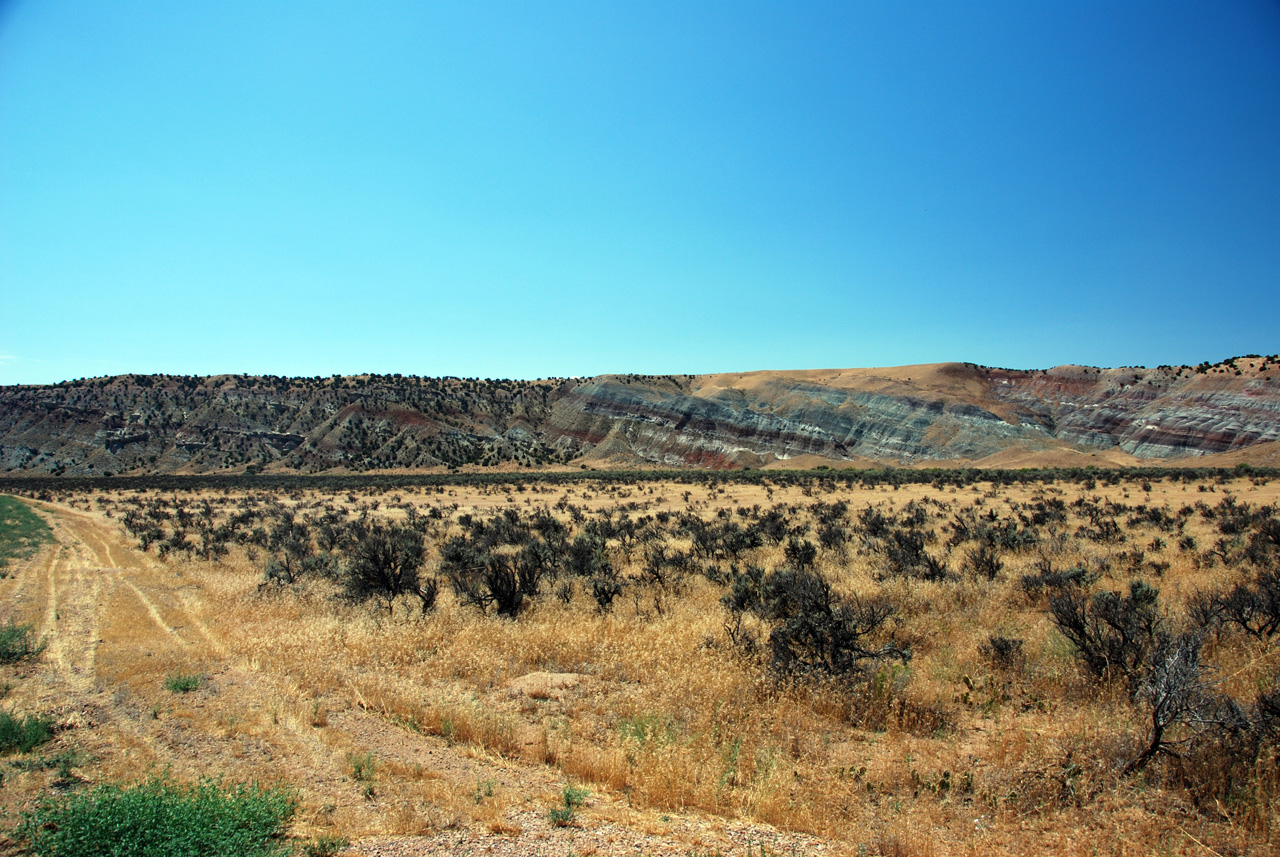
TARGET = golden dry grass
(949,754)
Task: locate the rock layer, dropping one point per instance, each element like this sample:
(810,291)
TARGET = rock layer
(954,413)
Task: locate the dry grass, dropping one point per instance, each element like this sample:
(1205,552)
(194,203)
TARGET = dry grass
(950,754)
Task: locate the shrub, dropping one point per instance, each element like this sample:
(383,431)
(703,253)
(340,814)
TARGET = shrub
(1114,634)
(428,591)
(384,563)
(1002,652)
(1254,607)
(984,562)
(604,589)
(800,553)
(481,578)
(158,818)
(587,557)
(906,556)
(1047,580)
(816,630)
(1176,692)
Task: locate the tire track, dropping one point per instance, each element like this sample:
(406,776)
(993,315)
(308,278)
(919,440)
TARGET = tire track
(71,615)
(20,580)
(73,642)
(122,557)
(153,611)
(49,624)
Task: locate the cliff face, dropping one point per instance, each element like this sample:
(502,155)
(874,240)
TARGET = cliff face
(946,412)
(1160,413)
(777,420)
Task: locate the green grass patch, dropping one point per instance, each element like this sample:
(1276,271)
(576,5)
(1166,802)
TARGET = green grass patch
(183,682)
(22,531)
(160,818)
(18,643)
(23,734)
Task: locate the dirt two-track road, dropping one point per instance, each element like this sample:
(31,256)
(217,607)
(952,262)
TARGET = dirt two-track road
(120,624)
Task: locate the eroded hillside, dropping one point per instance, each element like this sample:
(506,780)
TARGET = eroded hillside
(941,413)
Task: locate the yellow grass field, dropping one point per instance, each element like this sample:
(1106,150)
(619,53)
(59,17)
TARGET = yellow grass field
(457,730)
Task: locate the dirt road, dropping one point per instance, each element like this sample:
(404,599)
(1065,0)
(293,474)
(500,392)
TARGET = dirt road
(121,626)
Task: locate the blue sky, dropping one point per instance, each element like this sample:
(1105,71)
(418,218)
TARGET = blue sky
(535,189)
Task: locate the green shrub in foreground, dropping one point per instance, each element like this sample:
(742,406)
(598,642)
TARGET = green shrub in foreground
(23,734)
(160,818)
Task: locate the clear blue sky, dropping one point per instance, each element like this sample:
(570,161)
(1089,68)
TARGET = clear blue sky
(545,188)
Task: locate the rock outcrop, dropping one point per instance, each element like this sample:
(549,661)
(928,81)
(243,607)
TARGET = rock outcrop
(945,413)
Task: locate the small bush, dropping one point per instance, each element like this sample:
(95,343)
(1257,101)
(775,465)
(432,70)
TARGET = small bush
(1002,652)
(816,630)
(384,563)
(64,763)
(1254,606)
(905,556)
(1114,634)
(604,589)
(984,562)
(23,735)
(428,591)
(1046,580)
(158,818)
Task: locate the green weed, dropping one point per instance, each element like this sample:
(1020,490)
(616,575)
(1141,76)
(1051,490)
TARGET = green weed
(363,767)
(573,797)
(158,817)
(324,846)
(485,788)
(183,682)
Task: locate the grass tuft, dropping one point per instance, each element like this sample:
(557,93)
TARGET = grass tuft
(572,797)
(22,735)
(363,768)
(18,643)
(325,846)
(183,682)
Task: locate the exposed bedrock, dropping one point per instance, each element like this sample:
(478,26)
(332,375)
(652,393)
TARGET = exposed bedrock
(952,412)
(779,421)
